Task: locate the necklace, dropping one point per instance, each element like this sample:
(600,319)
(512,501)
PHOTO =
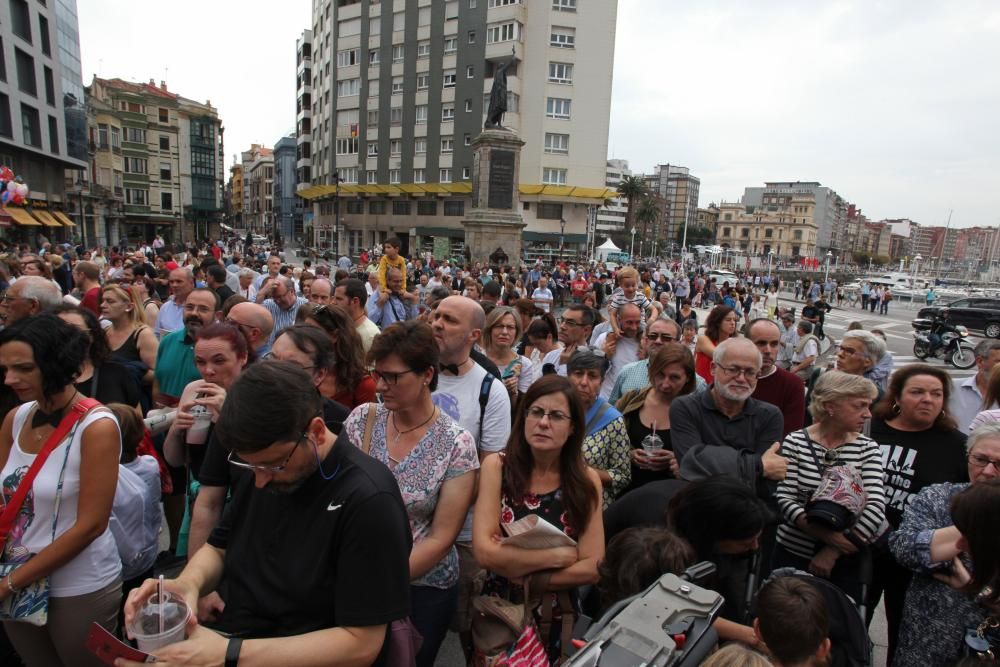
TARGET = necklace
(400,434)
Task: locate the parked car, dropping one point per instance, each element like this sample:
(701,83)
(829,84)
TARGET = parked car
(721,276)
(975,313)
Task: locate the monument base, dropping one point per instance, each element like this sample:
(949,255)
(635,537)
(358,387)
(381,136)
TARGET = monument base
(493,234)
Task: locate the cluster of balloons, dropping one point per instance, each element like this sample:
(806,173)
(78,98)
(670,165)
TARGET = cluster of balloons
(13,189)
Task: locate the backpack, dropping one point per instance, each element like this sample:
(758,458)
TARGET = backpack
(135,541)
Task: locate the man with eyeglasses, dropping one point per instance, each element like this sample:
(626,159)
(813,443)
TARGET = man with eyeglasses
(256,323)
(312,557)
(283,304)
(663,330)
(724,430)
(392,304)
(621,349)
(30,295)
(775,385)
(171,317)
(574,330)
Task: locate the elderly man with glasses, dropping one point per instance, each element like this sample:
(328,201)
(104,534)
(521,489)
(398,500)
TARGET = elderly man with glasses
(724,430)
(635,375)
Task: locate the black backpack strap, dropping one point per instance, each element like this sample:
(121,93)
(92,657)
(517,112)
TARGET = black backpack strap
(484,398)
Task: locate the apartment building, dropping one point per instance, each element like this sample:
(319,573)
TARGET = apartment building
(830,208)
(287,206)
(258,190)
(400,88)
(611,216)
(43,126)
(788,228)
(678,190)
(234,209)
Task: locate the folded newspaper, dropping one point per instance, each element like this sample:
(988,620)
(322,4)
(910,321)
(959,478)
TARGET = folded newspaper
(534,532)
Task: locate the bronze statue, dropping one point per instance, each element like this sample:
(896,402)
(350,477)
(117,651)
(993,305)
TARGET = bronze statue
(498,96)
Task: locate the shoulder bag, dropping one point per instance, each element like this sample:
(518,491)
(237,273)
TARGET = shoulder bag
(30,604)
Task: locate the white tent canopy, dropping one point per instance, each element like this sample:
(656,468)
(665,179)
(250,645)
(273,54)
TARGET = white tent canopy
(605,249)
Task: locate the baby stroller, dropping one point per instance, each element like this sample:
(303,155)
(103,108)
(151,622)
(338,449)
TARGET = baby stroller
(851,645)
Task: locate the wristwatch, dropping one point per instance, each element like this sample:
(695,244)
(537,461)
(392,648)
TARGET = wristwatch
(233,651)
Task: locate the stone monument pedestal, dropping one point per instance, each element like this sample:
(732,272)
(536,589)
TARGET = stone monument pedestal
(495,221)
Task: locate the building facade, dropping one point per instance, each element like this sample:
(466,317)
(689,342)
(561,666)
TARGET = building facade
(258,186)
(611,216)
(679,192)
(787,228)
(288,207)
(42,119)
(830,208)
(234,210)
(400,89)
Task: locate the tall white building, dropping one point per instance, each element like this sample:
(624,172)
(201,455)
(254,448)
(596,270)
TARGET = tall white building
(400,88)
(611,217)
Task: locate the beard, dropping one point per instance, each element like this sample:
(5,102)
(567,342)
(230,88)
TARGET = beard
(734,393)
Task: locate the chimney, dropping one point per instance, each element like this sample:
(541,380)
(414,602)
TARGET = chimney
(163,85)
(152,82)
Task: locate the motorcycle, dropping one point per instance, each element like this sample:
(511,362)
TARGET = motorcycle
(937,339)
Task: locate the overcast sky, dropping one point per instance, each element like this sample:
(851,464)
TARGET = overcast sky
(896,105)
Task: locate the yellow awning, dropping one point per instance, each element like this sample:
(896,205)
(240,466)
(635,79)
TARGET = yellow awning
(46,219)
(61,217)
(22,217)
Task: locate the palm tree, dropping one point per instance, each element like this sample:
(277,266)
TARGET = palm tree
(632,188)
(646,213)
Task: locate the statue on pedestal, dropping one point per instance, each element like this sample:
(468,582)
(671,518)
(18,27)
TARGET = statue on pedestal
(498,96)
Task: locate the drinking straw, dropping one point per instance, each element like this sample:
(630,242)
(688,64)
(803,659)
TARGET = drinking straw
(159,598)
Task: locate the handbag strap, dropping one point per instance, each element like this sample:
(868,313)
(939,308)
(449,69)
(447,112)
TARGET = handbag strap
(12,508)
(366,440)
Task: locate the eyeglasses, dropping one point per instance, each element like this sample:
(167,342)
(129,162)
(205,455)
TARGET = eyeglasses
(7,298)
(387,377)
(736,371)
(848,350)
(981,461)
(569,323)
(666,338)
(271,470)
(556,418)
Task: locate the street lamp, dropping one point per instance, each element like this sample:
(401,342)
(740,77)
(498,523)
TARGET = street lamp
(631,248)
(916,270)
(562,234)
(829,256)
(770,254)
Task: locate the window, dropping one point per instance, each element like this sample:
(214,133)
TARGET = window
(504,3)
(548,211)
(373,58)
(468,139)
(136,165)
(164,171)
(164,115)
(427,207)
(556,143)
(136,196)
(470,72)
(398,53)
(745,232)
(450,45)
(50,86)
(420,112)
(466,173)
(424,49)
(6,124)
(420,145)
(726,231)
(349,27)
(395,147)
(394,176)
(419,176)
(560,73)
(454,207)
(768,233)
(564,5)
(135,135)
(348,87)
(372,88)
(503,32)
(3,63)
(372,149)
(116,138)
(164,143)
(355,206)
(400,207)
(396,115)
(552,176)
(20,19)
(167,201)
(397,85)
(564,38)
(444,176)
(372,177)
(347,57)
(424,16)
(447,144)
(472,37)
(468,106)
(449,78)
(348,174)
(374,25)
(797,235)
(398,21)
(377,207)
(347,146)
(557,107)
(25,65)
(447,113)
(53,135)
(423,81)
(372,118)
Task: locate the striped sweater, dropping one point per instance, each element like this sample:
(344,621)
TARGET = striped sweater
(803,478)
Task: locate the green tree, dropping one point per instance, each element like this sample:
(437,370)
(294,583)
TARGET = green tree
(647,213)
(700,235)
(632,188)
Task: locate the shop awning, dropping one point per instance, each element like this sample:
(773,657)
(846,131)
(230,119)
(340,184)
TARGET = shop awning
(45,218)
(22,217)
(61,217)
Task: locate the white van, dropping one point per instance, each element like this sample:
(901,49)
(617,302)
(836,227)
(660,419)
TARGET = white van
(720,276)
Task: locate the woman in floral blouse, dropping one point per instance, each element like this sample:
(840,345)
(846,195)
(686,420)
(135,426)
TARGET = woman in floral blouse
(540,473)
(606,445)
(434,461)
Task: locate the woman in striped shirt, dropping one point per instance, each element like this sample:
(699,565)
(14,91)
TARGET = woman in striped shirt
(839,409)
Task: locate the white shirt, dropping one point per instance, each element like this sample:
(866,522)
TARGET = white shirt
(966,402)
(626,351)
(542,298)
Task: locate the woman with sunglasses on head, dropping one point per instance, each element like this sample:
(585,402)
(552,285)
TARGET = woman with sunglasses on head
(948,539)
(606,445)
(130,339)
(720,325)
(347,381)
(921,446)
(500,335)
(61,529)
(434,461)
(541,472)
(808,539)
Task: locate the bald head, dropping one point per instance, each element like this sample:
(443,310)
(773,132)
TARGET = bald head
(254,320)
(321,291)
(458,324)
(471,311)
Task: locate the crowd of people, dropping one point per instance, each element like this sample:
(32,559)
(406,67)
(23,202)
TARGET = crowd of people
(343,454)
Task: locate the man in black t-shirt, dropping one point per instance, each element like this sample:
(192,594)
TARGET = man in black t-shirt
(314,546)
